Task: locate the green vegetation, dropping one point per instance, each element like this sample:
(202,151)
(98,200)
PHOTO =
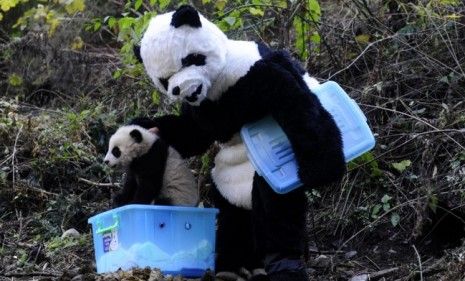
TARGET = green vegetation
(68,79)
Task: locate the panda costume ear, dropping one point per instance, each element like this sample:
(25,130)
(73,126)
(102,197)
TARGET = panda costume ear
(136,135)
(186,14)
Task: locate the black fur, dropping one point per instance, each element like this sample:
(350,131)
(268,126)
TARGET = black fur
(164,83)
(144,177)
(289,275)
(186,14)
(176,91)
(273,85)
(279,223)
(263,50)
(136,50)
(136,135)
(181,130)
(235,247)
(144,122)
(194,96)
(193,59)
(116,152)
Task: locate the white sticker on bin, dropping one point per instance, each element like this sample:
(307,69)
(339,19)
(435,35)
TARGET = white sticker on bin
(110,241)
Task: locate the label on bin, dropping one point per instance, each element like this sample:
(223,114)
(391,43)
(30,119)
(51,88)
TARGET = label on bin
(110,241)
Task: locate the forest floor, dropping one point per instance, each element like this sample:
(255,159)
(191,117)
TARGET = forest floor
(29,252)
(398,215)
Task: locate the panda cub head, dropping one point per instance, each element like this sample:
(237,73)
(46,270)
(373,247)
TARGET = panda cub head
(128,143)
(183,53)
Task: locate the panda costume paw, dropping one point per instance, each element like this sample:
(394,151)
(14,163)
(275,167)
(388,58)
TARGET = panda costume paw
(223,85)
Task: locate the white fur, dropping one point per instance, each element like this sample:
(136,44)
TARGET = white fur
(238,66)
(311,82)
(128,147)
(179,183)
(233,173)
(162,48)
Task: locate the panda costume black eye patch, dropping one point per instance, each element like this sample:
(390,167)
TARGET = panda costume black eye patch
(164,82)
(193,59)
(116,152)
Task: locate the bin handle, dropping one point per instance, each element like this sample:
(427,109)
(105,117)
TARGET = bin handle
(101,229)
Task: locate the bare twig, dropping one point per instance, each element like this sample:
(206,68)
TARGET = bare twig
(361,55)
(110,184)
(370,225)
(29,274)
(422,121)
(13,158)
(382,273)
(419,262)
(39,190)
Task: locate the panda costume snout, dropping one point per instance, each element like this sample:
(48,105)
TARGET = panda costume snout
(188,85)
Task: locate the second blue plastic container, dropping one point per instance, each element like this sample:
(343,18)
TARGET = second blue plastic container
(271,153)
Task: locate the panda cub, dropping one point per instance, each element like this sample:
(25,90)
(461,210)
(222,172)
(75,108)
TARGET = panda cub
(155,172)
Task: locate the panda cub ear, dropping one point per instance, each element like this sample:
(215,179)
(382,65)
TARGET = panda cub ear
(186,14)
(136,135)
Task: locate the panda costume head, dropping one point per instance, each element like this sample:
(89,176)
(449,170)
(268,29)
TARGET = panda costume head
(155,172)
(183,54)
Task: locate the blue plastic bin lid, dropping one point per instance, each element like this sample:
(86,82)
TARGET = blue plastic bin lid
(271,153)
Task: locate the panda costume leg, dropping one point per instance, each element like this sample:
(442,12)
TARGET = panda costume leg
(234,237)
(255,224)
(279,230)
(233,178)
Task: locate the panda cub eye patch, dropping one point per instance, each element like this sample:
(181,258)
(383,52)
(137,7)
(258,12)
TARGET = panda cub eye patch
(193,59)
(116,152)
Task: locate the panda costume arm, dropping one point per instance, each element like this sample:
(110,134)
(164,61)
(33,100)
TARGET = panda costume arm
(181,132)
(275,85)
(313,133)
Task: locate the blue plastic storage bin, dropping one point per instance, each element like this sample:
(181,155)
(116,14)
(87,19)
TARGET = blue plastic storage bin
(271,153)
(177,240)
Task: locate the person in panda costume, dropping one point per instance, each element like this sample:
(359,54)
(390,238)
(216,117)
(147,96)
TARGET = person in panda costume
(225,84)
